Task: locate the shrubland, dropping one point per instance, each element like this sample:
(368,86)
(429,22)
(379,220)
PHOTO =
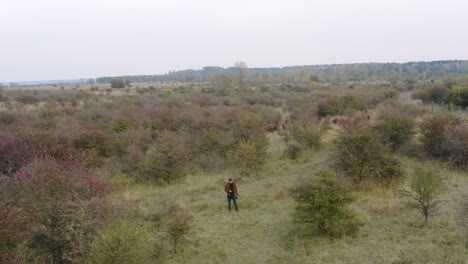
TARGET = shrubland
(137,176)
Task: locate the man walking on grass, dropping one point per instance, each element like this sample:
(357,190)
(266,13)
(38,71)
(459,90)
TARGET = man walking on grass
(231,190)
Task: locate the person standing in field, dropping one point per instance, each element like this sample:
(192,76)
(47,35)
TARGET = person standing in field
(231,190)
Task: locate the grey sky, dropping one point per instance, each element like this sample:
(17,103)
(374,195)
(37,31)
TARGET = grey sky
(63,39)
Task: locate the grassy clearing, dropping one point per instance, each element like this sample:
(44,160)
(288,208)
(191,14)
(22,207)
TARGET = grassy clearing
(264,231)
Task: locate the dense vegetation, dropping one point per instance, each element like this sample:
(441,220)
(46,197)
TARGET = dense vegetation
(325,171)
(449,93)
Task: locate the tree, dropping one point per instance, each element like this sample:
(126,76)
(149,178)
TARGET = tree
(241,72)
(117,84)
(314,78)
(179,224)
(425,186)
(323,203)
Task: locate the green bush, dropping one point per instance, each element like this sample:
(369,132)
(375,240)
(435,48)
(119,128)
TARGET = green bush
(324,204)
(361,155)
(285,135)
(27,98)
(95,140)
(432,132)
(223,85)
(450,94)
(436,94)
(247,125)
(122,125)
(169,158)
(359,152)
(252,155)
(214,140)
(306,134)
(455,146)
(458,95)
(118,84)
(390,170)
(294,150)
(396,130)
(340,105)
(124,241)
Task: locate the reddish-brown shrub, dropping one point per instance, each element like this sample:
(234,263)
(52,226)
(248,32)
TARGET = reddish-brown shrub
(56,197)
(7,258)
(10,227)
(14,150)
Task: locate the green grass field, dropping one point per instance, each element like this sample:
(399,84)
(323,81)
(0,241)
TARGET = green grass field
(264,231)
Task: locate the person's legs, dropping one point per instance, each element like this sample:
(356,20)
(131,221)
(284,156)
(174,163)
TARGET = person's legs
(235,203)
(229,202)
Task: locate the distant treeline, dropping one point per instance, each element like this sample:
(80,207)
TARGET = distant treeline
(49,82)
(393,72)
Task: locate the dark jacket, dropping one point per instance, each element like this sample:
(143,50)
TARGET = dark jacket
(226,189)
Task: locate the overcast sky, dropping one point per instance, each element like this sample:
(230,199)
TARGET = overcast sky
(68,39)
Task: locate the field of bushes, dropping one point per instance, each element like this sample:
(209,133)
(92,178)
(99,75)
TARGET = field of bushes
(326,172)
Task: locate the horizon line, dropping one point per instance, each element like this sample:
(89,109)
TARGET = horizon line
(270,67)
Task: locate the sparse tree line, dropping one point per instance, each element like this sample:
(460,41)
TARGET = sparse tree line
(65,155)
